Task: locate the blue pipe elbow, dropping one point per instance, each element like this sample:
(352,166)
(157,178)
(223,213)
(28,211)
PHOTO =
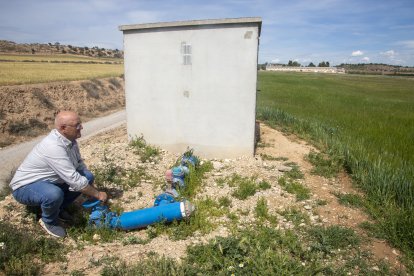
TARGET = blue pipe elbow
(148,216)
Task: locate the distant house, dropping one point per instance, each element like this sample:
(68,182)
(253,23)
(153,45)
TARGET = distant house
(193,84)
(278,67)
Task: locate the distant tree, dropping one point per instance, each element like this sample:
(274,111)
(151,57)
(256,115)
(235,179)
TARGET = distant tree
(324,64)
(311,65)
(33,51)
(293,63)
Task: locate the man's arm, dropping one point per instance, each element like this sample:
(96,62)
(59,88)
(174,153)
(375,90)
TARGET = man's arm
(92,191)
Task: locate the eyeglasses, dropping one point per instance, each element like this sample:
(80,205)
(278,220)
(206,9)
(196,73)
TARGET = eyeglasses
(77,126)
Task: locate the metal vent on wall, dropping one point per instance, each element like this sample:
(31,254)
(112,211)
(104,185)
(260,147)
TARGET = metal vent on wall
(186,52)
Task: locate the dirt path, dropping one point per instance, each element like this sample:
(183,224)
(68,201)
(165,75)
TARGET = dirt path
(87,257)
(325,189)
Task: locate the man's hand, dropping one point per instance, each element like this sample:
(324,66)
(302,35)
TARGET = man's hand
(102,196)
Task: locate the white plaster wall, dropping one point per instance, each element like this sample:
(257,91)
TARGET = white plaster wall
(208,105)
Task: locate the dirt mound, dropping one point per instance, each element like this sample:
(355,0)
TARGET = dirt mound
(27,111)
(11,47)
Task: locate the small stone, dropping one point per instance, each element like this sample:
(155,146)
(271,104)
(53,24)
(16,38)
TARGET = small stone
(217,165)
(96,237)
(284,169)
(307,207)
(395,252)
(376,268)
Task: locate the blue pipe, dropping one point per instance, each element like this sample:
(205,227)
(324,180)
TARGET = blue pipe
(178,175)
(165,211)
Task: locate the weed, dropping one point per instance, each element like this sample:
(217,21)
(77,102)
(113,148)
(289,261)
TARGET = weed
(43,99)
(77,273)
(263,145)
(271,158)
(353,200)
(105,260)
(146,152)
(233,217)
(110,174)
(373,229)
(115,82)
(295,215)
(224,201)
(295,172)
(6,190)
(134,240)
(323,164)
(92,90)
(246,187)
(97,82)
(32,128)
(333,237)
(220,182)
(264,185)
(194,179)
(262,211)
(321,202)
(19,249)
(93,234)
(295,188)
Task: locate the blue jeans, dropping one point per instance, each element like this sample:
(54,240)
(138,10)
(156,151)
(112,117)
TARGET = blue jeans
(51,197)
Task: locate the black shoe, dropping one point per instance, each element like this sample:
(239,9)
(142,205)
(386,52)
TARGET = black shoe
(65,216)
(53,230)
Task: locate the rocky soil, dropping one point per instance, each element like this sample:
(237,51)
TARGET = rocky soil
(113,146)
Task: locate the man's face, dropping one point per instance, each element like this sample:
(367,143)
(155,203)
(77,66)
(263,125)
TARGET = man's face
(72,129)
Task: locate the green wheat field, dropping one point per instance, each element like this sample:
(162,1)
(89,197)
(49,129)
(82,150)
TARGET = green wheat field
(365,121)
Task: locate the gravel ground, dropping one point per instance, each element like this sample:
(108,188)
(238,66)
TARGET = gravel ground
(112,148)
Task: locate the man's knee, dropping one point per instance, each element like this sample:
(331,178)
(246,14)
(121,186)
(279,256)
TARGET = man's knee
(54,196)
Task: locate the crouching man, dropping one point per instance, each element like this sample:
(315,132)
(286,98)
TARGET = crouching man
(53,174)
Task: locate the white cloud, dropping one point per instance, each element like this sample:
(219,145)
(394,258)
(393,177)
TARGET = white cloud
(407,43)
(365,59)
(390,53)
(357,53)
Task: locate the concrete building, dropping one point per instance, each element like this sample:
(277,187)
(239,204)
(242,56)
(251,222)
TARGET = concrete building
(193,84)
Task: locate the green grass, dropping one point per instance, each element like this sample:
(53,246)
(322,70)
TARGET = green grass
(293,187)
(144,150)
(25,253)
(324,165)
(363,121)
(261,250)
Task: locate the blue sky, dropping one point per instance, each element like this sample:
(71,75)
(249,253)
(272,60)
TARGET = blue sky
(338,31)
